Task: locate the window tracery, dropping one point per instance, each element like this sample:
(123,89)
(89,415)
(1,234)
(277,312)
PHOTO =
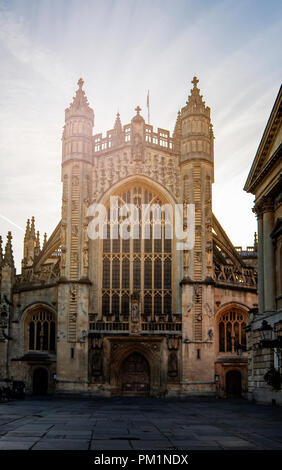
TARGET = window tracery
(231,330)
(41,329)
(141,264)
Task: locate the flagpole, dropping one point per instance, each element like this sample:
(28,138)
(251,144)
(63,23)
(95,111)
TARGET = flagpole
(148,106)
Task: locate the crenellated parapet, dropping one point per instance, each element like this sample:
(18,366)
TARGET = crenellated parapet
(161,139)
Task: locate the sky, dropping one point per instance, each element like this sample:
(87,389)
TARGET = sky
(122,48)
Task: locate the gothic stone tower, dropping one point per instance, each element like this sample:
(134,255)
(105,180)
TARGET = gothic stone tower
(197,169)
(73,289)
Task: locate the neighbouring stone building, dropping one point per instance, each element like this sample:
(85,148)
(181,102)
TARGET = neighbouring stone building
(265,331)
(130,317)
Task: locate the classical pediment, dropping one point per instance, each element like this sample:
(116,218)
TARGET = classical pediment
(270,148)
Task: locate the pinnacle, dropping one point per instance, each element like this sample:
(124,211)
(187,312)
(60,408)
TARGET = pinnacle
(38,239)
(27,230)
(32,227)
(118,125)
(8,257)
(177,127)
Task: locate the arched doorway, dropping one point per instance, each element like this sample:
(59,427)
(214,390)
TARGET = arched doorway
(233,384)
(135,376)
(40,381)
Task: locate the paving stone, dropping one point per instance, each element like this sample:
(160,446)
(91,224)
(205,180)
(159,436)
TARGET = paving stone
(152,445)
(186,424)
(26,433)
(194,445)
(110,445)
(18,445)
(61,444)
(10,438)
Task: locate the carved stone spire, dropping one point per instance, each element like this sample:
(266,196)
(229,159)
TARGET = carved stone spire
(8,257)
(177,131)
(27,231)
(32,228)
(118,125)
(37,247)
(118,136)
(195,101)
(177,127)
(44,240)
(80,105)
(255,241)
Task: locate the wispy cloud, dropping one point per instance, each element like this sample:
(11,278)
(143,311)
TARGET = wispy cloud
(122,48)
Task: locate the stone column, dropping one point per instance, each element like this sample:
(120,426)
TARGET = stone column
(260,263)
(268,258)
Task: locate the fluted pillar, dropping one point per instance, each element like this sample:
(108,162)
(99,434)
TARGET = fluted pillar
(268,258)
(260,263)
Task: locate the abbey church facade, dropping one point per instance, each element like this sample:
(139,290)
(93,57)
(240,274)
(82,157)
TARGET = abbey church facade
(137,316)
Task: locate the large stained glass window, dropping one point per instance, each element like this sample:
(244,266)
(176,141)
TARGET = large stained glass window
(141,264)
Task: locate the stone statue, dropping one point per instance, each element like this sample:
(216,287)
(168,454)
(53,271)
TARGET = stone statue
(135,311)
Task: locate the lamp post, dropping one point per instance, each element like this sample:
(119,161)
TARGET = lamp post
(266,335)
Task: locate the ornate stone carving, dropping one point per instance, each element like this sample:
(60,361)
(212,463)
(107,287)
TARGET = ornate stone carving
(149,165)
(208,309)
(172,343)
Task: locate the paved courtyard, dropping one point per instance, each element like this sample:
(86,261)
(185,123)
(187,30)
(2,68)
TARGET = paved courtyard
(140,424)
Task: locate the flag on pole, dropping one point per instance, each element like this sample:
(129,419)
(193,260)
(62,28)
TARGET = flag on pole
(148,99)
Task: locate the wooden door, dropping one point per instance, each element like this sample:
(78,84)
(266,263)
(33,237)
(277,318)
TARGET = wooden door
(135,376)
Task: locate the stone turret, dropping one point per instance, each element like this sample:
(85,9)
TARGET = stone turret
(197,133)
(79,121)
(196,155)
(73,290)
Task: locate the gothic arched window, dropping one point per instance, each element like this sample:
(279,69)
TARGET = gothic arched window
(141,264)
(41,330)
(231,330)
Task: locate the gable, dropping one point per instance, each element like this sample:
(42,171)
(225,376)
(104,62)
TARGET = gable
(269,150)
